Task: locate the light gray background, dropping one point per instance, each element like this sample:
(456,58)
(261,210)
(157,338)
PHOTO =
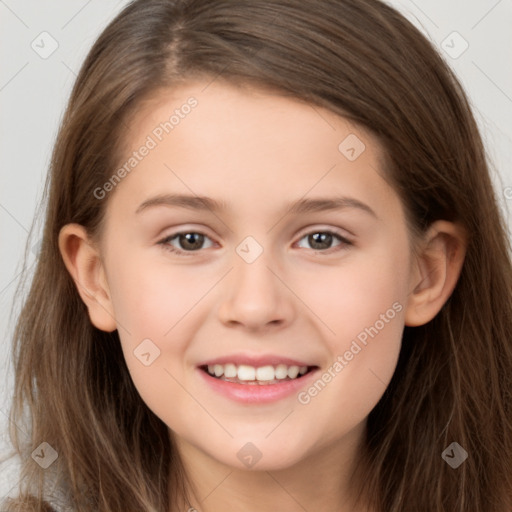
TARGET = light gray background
(33,92)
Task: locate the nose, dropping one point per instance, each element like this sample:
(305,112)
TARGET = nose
(255,296)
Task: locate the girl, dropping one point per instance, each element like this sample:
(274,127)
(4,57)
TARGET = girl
(273,276)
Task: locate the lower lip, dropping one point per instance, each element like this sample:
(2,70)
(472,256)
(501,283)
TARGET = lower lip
(256,393)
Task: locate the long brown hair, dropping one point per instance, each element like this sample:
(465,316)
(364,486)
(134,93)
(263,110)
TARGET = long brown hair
(358,58)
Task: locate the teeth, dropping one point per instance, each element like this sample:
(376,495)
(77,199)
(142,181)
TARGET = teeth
(230,370)
(281,371)
(250,373)
(265,373)
(293,371)
(246,372)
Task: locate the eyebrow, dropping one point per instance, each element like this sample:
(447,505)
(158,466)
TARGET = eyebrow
(300,206)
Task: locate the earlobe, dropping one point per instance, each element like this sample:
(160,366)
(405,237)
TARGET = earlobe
(436,271)
(83,262)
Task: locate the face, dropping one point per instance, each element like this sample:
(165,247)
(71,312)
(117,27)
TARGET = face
(289,282)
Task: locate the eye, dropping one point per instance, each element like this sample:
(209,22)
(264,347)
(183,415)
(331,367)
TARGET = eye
(193,241)
(322,240)
(190,241)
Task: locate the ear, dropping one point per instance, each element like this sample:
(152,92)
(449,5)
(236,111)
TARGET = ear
(82,259)
(435,272)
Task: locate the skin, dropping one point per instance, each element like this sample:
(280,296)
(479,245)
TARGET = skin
(258,151)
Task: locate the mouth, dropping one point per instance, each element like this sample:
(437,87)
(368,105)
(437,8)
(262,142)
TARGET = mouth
(256,376)
(265,381)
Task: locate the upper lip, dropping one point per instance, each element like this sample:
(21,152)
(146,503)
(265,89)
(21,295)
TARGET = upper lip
(255,360)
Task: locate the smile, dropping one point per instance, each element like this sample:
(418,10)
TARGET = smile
(256,379)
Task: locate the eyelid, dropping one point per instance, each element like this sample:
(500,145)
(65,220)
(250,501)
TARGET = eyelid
(188,228)
(342,233)
(318,228)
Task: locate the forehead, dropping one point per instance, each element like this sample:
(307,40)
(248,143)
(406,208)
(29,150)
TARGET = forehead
(247,143)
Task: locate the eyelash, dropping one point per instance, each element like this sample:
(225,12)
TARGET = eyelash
(344,242)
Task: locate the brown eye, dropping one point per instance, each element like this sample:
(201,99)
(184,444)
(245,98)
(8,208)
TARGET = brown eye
(323,240)
(188,241)
(191,241)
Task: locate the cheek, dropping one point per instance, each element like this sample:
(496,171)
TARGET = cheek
(352,296)
(157,302)
(151,306)
(364,306)
(150,300)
